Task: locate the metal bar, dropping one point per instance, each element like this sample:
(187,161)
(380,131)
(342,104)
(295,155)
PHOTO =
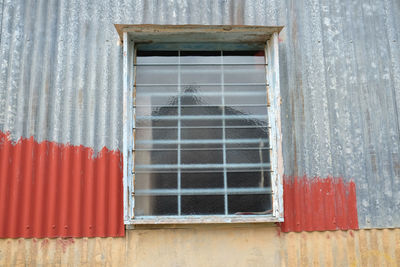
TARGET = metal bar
(202,171)
(246,93)
(202,127)
(205,105)
(223,137)
(199,84)
(133,138)
(204,191)
(201,64)
(202,166)
(201,141)
(179,134)
(204,148)
(203,117)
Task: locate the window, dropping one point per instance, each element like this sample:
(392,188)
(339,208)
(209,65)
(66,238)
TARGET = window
(201,125)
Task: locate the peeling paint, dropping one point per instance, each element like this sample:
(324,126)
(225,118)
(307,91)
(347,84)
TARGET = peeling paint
(242,246)
(319,204)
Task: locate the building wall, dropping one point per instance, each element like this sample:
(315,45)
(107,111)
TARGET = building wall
(61,112)
(211,246)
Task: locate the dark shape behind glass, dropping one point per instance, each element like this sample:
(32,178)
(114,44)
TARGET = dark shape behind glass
(214,204)
(194,101)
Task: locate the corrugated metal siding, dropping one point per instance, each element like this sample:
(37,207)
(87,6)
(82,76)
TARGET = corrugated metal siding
(244,246)
(340,94)
(53,190)
(319,204)
(61,80)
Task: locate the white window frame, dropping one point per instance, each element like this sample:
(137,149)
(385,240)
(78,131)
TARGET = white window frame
(129,34)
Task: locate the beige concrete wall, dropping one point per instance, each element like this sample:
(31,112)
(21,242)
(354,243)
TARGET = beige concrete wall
(245,245)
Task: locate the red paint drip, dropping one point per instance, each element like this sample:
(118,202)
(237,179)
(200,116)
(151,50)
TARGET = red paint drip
(319,204)
(54,190)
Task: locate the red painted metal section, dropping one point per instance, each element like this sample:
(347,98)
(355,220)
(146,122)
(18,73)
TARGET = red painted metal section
(53,190)
(319,204)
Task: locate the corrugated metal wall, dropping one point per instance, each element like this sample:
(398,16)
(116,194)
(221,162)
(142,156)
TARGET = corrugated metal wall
(61,81)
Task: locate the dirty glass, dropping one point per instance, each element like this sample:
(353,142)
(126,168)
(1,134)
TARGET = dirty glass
(201,136)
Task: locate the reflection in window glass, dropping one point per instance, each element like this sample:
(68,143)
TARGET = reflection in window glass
(201,137)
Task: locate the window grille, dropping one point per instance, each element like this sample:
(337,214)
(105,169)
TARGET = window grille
(201,142)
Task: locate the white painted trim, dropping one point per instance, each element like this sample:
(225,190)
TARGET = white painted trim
(274,99)
(127,120)
(198,219)
(273,88)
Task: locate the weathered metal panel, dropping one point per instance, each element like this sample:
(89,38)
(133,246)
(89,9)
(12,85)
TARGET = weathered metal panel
(61,81)
(339,110)
(319,204)
(53,190)
(1,16)
(210,246)
(274,118)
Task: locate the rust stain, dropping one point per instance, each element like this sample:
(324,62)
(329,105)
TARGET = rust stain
(64,243)
(44,243)
(319,204)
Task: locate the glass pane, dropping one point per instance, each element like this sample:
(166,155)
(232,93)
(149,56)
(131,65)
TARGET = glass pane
(201,110)
(248,131)
(156,75)
(198,74)
(156,57)
(210,123)
(157,96)
(247,109)
(256,121)
(203,145)
(156,138)
(201,133)
(156,205)
(247,155)
(249,179)
(157,122)
(157,111)
(200,57)
(244,74)
(249,203)
(202,205)
(201,156)
(155,180)
(244,57)
(156,133)
(201,95)
(203,180)
(245,95)
(156,157)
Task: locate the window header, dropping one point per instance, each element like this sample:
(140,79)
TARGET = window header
(149,33)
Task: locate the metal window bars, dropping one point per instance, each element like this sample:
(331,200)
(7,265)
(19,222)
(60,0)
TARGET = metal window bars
(228,122)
